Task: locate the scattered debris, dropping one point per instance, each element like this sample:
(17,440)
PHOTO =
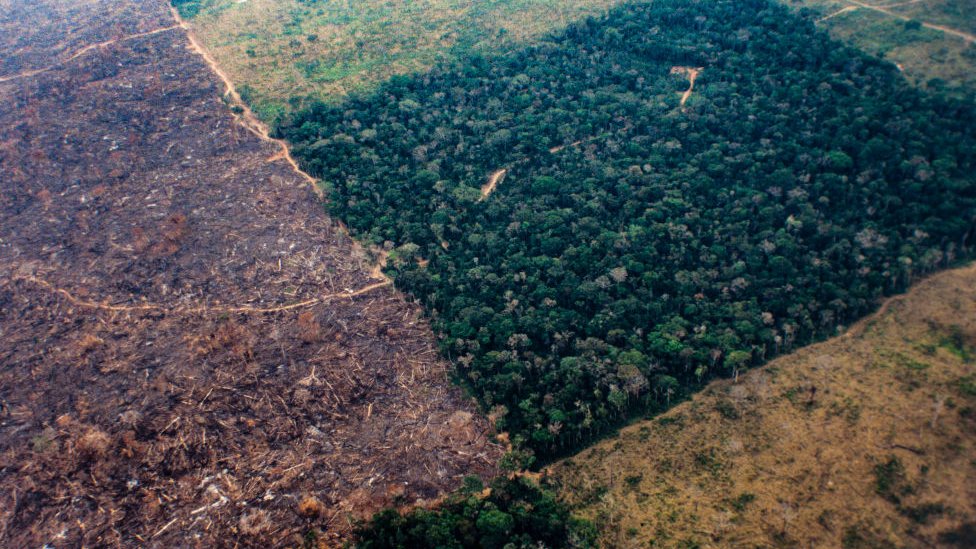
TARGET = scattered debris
(189,344)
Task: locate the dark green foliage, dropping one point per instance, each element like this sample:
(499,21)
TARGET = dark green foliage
(727,409)
(740,503)
(956,343)
(633,481)
(516,512)
(858,536)
(964,536)
(188,8)
(922,513)
(967,385)
(890,481)
(802,182)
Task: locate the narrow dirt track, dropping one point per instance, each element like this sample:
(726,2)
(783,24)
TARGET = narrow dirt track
(83,51)
(841,11)
(883,9)
(493,180)
(692,74)
(193,312)
(247,117)
(254,125)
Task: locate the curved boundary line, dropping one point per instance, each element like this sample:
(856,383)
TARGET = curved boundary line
(149,307)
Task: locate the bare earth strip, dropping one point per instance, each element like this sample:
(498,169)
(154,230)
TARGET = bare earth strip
(692,74)
(248,119)
(493,180)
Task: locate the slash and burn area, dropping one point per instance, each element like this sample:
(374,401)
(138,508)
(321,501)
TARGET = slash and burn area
(189,347)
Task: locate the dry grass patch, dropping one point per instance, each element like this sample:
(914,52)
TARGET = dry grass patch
(865,440)
(923,54)
(284,52)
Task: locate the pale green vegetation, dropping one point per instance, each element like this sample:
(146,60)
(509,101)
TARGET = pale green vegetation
(282,53)
(905,32)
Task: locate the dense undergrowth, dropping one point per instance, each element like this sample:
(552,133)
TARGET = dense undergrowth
(663,245)
(514,513)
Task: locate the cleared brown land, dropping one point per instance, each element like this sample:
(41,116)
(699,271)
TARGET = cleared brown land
(189,346)
(866,440)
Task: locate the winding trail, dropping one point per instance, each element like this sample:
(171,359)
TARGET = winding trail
(970,38)
(250,121)
(836,13)
(692,74)
(155,307)
(497,176)
(247,117)
(83,51)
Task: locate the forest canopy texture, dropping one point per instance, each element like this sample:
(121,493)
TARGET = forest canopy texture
(636,247)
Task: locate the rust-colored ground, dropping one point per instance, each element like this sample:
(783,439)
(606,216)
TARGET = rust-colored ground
(866,440)
(189,346)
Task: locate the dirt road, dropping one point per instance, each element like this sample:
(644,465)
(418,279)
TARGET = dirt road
(247,117)
(970,38)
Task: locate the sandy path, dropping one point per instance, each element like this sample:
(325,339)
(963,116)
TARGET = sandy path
(147,307)
(554,150)
(692,74)
(247,117)
(83,51)
(493,180)
(971,38)
(836,13)
(251,122)
(497,176)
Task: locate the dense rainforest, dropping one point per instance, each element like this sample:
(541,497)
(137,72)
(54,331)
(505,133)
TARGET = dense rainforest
(637,245)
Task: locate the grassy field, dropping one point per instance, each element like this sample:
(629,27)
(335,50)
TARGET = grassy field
(903,31)
(283,52)
(865,440)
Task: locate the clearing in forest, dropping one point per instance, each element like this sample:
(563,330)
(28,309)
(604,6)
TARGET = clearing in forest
(864,440)
(284,52)
(931,41)
(493,180)
(692,74)
(190,347)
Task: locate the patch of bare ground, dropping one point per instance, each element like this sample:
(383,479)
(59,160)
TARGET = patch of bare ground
(191,352)
(865,440)
(692,74)
(494,179)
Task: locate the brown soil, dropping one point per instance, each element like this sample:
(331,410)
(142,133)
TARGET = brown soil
(247,117)
(493,180)
(189,347)
(865,440)
(692,74)
(558,148)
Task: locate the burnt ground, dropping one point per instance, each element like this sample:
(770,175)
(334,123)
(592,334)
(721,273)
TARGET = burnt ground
(189,346)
